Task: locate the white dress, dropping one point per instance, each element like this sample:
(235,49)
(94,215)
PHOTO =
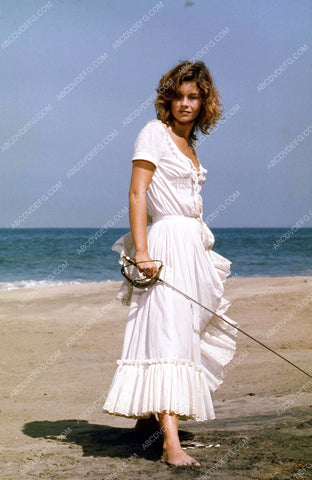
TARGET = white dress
(174,351)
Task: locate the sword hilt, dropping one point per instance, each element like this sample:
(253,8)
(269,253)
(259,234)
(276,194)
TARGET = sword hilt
(144,282)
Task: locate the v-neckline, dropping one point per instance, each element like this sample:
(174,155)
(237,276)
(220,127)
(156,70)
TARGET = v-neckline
(199,171)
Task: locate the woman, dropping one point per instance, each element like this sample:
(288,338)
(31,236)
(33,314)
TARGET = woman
(174,351)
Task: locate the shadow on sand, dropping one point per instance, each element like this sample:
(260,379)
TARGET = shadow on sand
(100,440)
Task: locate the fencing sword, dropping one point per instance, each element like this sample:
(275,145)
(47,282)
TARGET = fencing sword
(145,282)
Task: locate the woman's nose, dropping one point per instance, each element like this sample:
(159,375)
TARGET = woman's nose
(184,100)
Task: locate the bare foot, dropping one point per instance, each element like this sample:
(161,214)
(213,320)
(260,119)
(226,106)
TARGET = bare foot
(178,458)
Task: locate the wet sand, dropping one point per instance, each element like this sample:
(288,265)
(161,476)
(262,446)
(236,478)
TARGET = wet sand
(59,349)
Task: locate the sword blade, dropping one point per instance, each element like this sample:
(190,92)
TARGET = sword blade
(164,282)
(234,326)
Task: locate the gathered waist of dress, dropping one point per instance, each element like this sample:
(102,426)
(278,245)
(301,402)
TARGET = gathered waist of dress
(206,234)
(157,218)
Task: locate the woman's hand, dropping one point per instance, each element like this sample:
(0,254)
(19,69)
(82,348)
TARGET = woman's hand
(146,265)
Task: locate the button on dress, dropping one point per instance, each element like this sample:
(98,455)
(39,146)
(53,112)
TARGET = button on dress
(174,352)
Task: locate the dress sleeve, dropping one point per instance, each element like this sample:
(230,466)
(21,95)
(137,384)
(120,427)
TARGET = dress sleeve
(149,143)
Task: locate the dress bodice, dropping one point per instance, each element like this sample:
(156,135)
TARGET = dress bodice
(176,184)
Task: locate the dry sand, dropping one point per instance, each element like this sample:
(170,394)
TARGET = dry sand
(59,347)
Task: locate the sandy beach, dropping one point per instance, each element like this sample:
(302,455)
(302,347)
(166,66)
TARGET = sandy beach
(59,349)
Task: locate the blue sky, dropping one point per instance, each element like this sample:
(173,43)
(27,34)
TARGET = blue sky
(46,45)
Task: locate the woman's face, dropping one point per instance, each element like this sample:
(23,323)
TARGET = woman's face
(185,107)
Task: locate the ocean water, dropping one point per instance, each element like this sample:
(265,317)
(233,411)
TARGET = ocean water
(50,256)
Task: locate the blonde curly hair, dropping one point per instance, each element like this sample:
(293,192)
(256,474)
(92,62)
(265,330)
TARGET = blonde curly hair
(169,84)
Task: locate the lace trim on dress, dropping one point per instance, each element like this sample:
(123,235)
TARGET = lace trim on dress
(170,387)
(177,153)
(161,361)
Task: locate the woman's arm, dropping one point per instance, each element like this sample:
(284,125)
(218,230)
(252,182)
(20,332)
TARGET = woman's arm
(142,173)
